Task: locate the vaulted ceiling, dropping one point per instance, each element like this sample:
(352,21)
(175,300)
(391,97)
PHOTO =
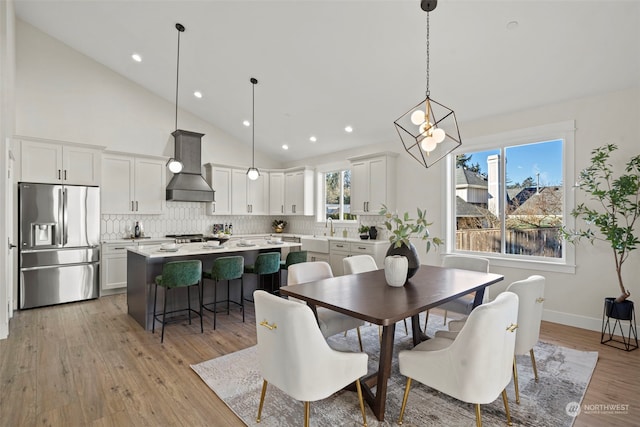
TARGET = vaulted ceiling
(324,65)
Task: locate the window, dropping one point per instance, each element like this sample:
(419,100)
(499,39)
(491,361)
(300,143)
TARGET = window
(337,195)
(508,198)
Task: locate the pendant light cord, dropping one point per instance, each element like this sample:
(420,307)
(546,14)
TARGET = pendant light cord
(180,29)
(253,120)
(427,90)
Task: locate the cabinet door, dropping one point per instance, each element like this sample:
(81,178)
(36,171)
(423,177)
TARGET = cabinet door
(377,185)
(41,162)
(359,186)
(221,183)
(117,185)
(337,266)
(294,193)
(80,166)
(239,203)
(149,186)
(276,193)
(258,195)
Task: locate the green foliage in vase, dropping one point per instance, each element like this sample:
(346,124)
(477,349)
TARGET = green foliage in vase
(404,228)
(279,223)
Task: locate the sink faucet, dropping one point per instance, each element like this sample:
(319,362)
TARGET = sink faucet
(331,232)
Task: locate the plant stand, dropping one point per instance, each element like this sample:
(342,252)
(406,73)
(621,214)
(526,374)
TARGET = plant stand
(619,312)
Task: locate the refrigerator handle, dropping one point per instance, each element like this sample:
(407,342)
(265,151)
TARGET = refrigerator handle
(65,235)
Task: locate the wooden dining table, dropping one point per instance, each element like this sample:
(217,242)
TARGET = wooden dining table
(367,296)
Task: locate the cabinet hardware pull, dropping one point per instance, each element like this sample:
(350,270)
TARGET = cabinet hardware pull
(360,247)
(136,206)
(213,205)
(281,208)
(132,208)
(266,324)
(512,327)
(59,174)
(539,300)
(65,174)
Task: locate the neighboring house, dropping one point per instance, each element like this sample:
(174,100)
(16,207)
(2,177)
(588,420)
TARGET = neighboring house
(536,206)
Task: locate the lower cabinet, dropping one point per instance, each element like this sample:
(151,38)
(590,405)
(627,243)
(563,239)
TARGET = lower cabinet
(338,250)
(318,256)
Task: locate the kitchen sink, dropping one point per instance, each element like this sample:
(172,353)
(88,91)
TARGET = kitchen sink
(315,244)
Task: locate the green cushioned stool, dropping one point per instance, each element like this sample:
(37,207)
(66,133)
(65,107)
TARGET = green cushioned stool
(178,274)
(267,263)
(293,257)
(224,268)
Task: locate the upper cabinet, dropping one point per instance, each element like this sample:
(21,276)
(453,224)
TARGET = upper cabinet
(373,181)
(59,163)
(298,192)
(276,193)
(219,178)
(132,184)
(249,197)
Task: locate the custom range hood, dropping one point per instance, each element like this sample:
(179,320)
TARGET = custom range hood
(189,185)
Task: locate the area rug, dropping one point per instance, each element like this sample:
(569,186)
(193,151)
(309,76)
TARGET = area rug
(564,376)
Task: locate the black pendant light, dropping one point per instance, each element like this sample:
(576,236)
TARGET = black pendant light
(173,164)
(252,172)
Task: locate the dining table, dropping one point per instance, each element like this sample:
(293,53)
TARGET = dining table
(367,296)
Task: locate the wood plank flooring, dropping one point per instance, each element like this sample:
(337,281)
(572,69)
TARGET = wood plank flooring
(90,364)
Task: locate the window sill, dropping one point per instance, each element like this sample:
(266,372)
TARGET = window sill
(524,264)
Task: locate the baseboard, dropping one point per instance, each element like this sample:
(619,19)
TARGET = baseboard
(584,322)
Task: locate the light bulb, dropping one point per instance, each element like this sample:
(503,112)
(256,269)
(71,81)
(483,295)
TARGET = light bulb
(429,144)
(439,135)
(174,166)
(418,117)
(253,174)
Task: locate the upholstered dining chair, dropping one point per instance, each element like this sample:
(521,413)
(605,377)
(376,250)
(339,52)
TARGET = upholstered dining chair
(331,322)
(475,367)
(464,304)
(177,274)
(294,356)
(361,264)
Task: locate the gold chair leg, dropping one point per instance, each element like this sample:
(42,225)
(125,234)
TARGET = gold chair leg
(506,406)
(426,320)
(345,333)
(359,338)
(533,363)
(444,321)
(307,410)
(478,416)
(264,391)
(404,400)
(361,400)
(515,380)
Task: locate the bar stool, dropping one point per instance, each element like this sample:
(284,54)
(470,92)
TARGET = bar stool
(178,274)
(266,263)
(292,258)
(224,268)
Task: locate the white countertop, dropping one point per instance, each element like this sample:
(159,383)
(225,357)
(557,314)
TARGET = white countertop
(154,251)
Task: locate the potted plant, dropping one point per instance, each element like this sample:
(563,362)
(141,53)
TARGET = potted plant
(364,232)
(612,216)
(278,225)
(402,230)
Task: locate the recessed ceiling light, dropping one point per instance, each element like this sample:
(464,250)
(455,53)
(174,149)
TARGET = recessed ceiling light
(512,25)
(247,123)
(136,57)
(348,129)
(285,147)
(313,139)
(197,94)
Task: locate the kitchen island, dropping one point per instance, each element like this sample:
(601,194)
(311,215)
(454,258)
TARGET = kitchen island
(145,262)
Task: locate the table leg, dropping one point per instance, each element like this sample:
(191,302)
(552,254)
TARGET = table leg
(379,380)
(479,297)
(418,334)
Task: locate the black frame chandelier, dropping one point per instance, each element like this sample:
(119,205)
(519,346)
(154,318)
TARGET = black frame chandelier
(428,131)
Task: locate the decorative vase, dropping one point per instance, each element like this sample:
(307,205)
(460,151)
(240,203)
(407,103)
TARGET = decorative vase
(412,256)
(395,270)
(278,229)
(373,233)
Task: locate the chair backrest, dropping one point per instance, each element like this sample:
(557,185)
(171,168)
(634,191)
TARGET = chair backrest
(292,353)
(530,293)
(359,264)
(482,353)
(295,257)
(308,272)
(228,267)
(181,273)
(267,263)
(465,262)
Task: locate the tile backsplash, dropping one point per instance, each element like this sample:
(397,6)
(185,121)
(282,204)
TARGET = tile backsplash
(192,218)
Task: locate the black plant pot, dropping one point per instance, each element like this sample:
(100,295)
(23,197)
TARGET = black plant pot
(618,310)
(364,236)
(412,256)
(373,233)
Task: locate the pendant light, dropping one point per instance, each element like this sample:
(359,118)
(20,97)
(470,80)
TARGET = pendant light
(429,131)
(174,165)
(252,172)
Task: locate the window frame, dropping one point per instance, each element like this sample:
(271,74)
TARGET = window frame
(564,131)
(322,193)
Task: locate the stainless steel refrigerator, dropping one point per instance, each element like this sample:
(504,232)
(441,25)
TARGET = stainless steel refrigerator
(59,235)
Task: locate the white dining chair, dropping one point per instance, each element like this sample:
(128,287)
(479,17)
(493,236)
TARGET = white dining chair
(331,322)
(475,367)
(294,356)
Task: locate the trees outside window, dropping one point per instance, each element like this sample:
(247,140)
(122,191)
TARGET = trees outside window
(337,200)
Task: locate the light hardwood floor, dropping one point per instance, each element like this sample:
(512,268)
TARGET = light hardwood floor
(90,364)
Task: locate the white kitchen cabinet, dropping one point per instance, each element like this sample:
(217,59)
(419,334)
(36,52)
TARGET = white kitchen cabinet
(339,249)
(132,184)
(373,182)
(276,193)
(57,163)
(318,256)
(219,178)
(298,192)
(249,197)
